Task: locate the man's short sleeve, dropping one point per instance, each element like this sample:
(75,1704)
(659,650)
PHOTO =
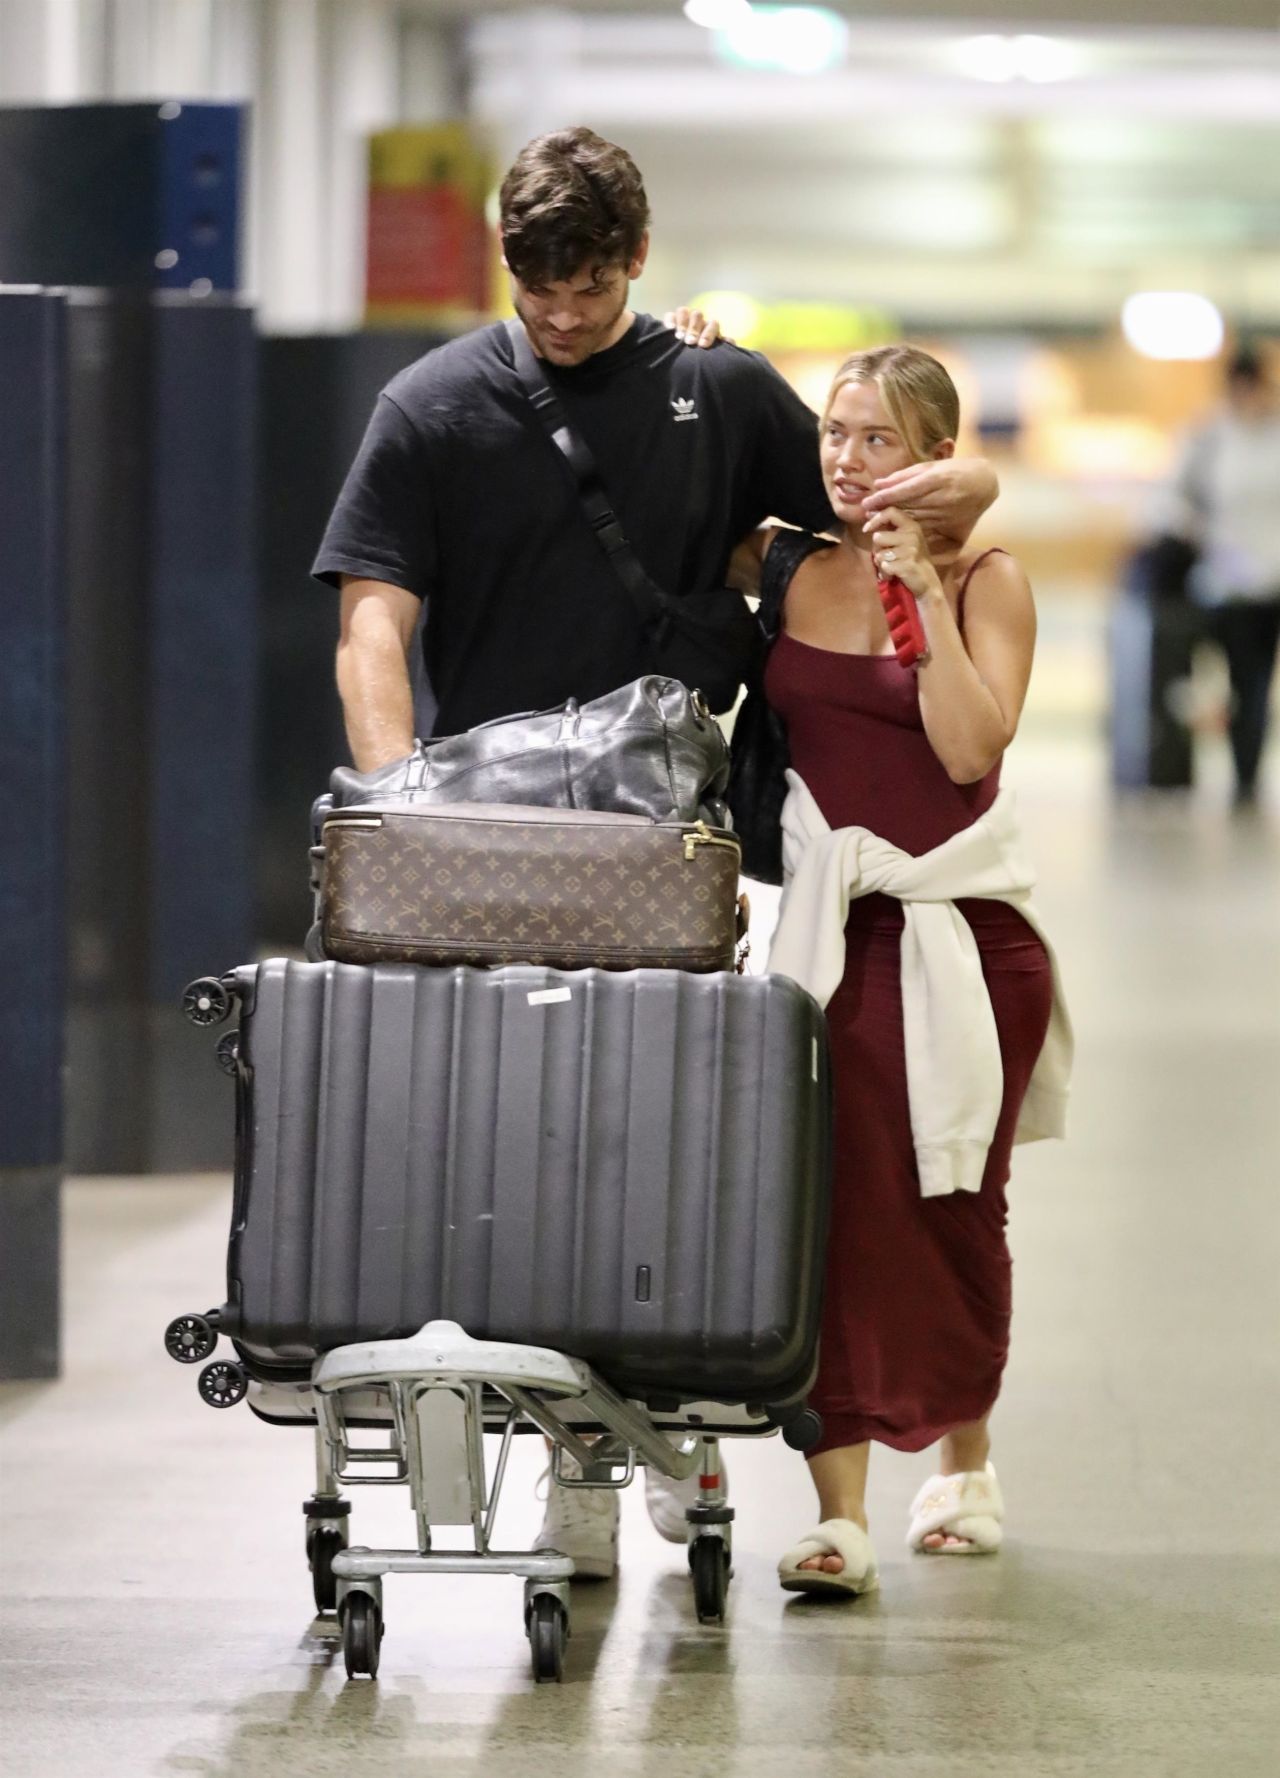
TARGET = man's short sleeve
(786,479)
(381,526)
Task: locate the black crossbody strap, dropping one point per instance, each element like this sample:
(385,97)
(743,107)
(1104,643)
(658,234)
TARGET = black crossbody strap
(651,602)
(786,552)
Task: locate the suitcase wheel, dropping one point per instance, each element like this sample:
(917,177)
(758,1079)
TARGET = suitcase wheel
(361,1635)
(709,1564)
(228,1052)
(803,1430)
(222,1384)
(548,1633)
(189,1338)
(322,1546)
(206,1001)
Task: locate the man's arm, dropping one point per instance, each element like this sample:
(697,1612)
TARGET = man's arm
(379,544)
(747,560)
(946,498)
(378,625)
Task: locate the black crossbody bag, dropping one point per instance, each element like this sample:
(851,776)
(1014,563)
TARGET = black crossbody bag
(709,641)
(758,750)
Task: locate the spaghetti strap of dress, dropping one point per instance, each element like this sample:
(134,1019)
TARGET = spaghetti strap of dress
(969,573)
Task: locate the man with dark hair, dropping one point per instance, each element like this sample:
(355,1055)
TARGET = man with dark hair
(572,200)
(459,499)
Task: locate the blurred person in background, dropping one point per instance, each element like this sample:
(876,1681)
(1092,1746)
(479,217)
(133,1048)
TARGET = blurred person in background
(1225,502)
(458,499)
(905,912)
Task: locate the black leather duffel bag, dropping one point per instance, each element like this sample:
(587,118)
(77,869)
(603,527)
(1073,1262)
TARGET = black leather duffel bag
(650,748)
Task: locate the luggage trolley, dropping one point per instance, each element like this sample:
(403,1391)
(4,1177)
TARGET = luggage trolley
(434,1394)
(437,1393)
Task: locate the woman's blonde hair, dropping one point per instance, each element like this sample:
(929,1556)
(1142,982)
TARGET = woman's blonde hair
(918,395)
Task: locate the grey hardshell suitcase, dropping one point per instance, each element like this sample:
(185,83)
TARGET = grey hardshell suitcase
(628,1167)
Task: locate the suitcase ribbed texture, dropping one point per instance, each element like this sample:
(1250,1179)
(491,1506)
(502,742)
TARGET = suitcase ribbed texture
(628,1167)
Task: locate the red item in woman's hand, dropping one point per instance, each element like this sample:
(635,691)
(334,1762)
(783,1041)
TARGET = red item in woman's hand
(905,626)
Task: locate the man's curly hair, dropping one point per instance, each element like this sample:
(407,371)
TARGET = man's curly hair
(571,200)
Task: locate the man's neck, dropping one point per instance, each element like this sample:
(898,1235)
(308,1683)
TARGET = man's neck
(623,325)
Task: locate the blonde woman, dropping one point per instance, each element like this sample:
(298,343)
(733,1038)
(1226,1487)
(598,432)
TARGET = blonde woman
(906,912)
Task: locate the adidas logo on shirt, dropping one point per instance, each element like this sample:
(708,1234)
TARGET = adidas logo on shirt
(683,408)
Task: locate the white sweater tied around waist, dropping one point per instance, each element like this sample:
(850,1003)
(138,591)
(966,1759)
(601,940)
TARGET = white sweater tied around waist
(955,1078)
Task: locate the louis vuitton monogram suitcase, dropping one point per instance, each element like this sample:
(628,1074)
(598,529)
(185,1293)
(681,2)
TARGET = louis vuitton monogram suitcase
(486,884)
(631,1168)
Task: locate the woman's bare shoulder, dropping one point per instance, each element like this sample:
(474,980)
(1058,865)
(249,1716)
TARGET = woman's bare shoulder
(992,567)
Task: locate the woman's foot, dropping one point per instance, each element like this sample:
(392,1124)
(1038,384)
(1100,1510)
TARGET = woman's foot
(832,1562)
(835,1557)
(840,1476)
(958,1515)
(963,1451)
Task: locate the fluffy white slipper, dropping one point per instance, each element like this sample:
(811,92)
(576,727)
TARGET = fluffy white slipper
(968,1505)
(833,1537)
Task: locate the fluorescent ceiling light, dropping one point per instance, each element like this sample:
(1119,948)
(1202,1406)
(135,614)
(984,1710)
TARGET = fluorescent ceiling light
(716,15)
(789,39)
(988,58)
(1172,324)
(1044,58)
(1025,57)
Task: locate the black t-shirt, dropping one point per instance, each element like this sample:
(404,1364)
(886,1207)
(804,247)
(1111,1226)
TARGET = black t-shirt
(458,496)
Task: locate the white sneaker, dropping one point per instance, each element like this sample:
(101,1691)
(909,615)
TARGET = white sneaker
(667,1500)
(582,1523)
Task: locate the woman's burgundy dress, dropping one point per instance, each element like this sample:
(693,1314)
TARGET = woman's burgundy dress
(915,1328)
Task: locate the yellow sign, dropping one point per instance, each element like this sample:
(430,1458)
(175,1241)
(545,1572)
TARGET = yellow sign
(429,250)
(797,327)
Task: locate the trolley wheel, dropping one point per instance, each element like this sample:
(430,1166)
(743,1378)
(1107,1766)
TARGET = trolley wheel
(361,1635)
(322,1546)
(222,1384)
(228,1052)
(548,1633)
(189,1338)
(206,1001)
(709,1562)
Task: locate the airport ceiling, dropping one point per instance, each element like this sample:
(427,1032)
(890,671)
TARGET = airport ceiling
(1147,157)
(1257,15)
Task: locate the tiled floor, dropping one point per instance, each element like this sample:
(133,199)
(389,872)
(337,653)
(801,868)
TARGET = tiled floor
(156,1604)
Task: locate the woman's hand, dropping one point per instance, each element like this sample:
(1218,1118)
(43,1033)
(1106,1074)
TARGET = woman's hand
(899,552)
(694,328)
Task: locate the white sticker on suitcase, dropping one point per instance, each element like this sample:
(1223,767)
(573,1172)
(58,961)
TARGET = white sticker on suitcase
(549,996)
(815,1061)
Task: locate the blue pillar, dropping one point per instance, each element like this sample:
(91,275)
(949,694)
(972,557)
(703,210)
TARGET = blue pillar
(32,827)
(162,670)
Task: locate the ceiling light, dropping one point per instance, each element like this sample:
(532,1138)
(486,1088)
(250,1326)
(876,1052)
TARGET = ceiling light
(1025,57)
(988,58)
(1044,58)
(716,15)
(789,39)
(1172,324)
